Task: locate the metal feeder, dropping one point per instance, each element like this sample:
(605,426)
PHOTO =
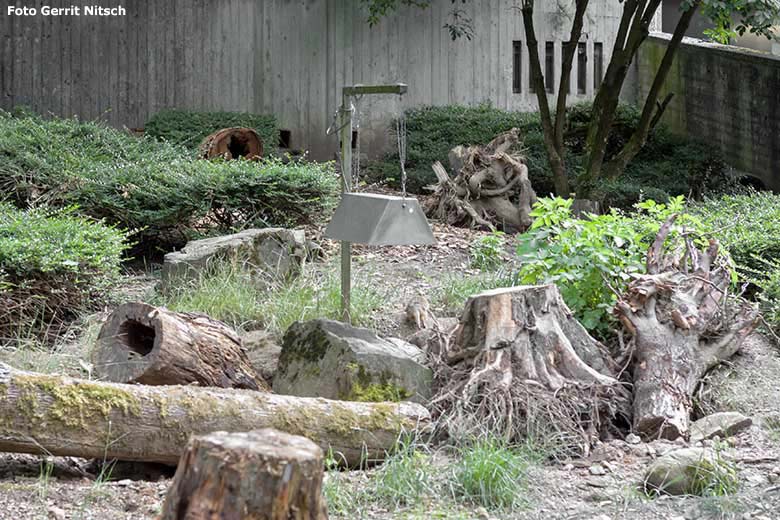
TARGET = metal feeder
(379,220)
(367,218)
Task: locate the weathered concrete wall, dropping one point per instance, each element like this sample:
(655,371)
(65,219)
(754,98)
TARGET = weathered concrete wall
(724,95)
(286,57)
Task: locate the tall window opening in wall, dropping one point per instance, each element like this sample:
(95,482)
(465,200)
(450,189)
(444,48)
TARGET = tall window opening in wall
(517,69)
(549,66)
(582,64)
(598,64)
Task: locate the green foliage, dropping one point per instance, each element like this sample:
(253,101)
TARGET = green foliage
(406,476)
(667,166)
(733,18)
(491,474)
(53,264)
(592,259)
(189,128)
(227,292)
(152,188)
(456,289)
(767,279)
(487,251)
(748,225)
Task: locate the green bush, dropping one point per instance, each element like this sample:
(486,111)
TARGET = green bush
(53,264)
(748,225)
(487,251)
(592,259)
(155,189)
(667,166)
(188,128)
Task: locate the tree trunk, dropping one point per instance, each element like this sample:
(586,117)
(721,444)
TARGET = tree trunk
(683,323)
(232,143)
(520,364)
(65,416)
(263,475)
(140,343)
(491,190)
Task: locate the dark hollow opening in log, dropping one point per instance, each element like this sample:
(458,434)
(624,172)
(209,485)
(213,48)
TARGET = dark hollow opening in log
(137,338)
(238,146)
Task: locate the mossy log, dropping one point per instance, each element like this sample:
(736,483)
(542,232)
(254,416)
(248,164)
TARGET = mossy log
(66,416)
(140,343)
(683,322)
(264,475)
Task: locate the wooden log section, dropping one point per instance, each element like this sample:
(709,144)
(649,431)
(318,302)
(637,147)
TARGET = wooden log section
(140,343)
(232,143)
(263,475)
(66,416)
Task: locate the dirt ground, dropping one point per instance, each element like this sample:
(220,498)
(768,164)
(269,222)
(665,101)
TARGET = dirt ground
(602,487)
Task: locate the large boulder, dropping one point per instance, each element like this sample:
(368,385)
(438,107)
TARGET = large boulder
(270,253)
(690,471)
(325,358)
(263,352)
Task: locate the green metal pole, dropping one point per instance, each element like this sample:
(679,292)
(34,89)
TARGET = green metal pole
(345,135)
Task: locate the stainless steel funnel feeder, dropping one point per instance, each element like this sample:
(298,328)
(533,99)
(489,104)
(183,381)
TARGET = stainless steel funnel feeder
(367,218)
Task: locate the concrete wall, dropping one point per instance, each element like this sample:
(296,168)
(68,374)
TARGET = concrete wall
(286,57)
(726,96)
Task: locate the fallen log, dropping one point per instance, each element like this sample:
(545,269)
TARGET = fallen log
(264,475)
(140,343)
(232,143)
(683,323)
(491,188)
(65,416)
(519,364)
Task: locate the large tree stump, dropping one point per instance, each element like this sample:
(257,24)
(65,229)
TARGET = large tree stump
(140,343)
(64,416)
(683,323)
(520,364)
(232,143)
(491,188)
(262,475)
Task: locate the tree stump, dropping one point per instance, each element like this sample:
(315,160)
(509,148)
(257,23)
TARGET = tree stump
(232,143)
(519,363)
(262,475)
(140,343)
(491,189)
(683,323)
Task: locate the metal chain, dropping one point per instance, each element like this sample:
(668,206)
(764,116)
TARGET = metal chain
(400,131)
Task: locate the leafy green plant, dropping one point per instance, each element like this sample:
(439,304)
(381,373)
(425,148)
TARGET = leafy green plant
(487,251)
(188,128)
(53,264)
(406,476)
(491,474)
(155,189)
(592,259)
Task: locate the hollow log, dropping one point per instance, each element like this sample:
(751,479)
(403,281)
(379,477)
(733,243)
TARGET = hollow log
(517,361)
(232,143)
(140,343)
(683,322)
(65,416)
(491,188)
(263,475)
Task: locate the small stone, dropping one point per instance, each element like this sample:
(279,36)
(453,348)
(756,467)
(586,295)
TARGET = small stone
(56,513)
(597,470)
(719,425)
(482,513)
(124,482)
(632,438)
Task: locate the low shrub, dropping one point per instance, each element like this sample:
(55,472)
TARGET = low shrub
(667,166)
(155,189)
(748,225)
(189,128)
(53,265)
(591,260)
(487,252)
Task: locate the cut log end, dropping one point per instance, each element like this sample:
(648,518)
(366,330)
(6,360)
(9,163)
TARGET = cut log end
(263,474)
(140,343)
(232,143)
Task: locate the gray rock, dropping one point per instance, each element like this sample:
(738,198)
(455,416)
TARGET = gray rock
(263,352)
(269,253)
(324,358)
(632,438)
(721,424)
(685,471)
